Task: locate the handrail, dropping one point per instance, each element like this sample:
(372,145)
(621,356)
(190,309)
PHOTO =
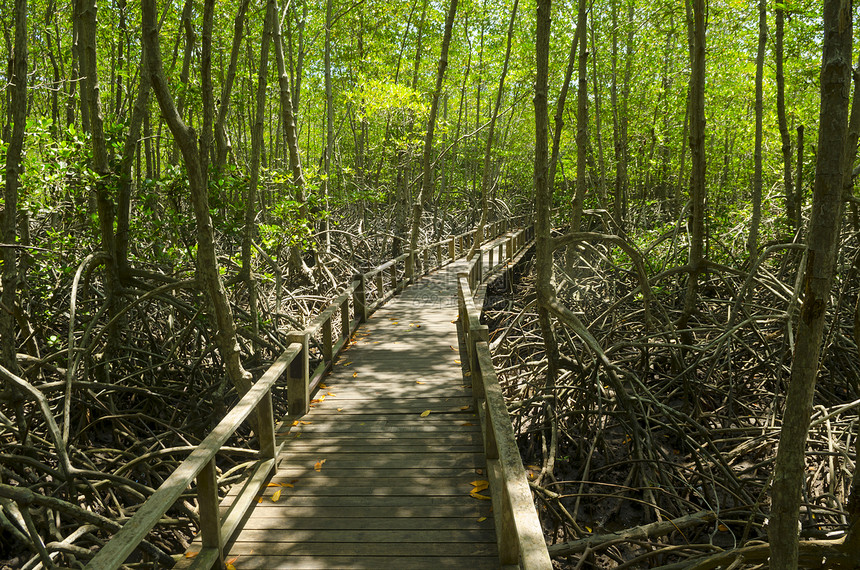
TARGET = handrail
(518,529)
(389,278)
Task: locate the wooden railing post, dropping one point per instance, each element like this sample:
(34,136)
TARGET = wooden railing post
(344,318)
(510,244)
(359,298)
(266,426)
(210,518)
(298,392)
(426,256)
(326,338)
(409,271)
(380,285)
(452,248)
(477,335)
(393,272)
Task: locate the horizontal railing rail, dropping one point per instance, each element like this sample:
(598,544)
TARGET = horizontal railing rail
(331,330)
(518,529)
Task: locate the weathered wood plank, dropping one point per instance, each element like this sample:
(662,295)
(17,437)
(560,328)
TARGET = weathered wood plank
(364,549)
(347,536)
(284,520)
(369,562)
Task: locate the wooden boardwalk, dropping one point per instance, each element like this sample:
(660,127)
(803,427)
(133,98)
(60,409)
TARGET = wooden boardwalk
(369,479)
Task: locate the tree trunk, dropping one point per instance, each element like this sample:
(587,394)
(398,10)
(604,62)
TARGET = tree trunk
(221,143)
(581,120)
(752,238)
(784,135)
(598,128)
(87,26)
(256,149)
(559,110)
(329,123)
(427,178)
(207,263)
(486,174)
(543,192)
(9,254)
(141,108)
(696,36)
(824,225)
(288,121)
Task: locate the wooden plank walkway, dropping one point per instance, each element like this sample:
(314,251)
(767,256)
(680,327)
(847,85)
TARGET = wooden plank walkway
(367,481)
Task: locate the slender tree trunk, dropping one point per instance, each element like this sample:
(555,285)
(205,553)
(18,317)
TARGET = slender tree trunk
(558,123)
(696,35)
(256,149)
(87,26)
(598,128)
(543,191)
(486,175)
(798,189)
(207,262)
(619,202)
(822,244)
(291,135)
(427,178)
(8,255)
(140,109)
(752,238)
(581,120)
(781,118)
(222,147)
(329,122)
(419,51)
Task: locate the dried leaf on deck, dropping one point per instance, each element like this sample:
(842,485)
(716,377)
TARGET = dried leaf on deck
(425,413)
(276,496)
(318,465)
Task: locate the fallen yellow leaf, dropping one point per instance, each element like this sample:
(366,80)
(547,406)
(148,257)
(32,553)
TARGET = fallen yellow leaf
(318,465)
(323,386)
(456,362)
(482,519)
(296,422)
(425,413)
(276,496)
(467,374)
(480,486)
(354,374)
(467,424)
(722,528)
(465,407)
(191,554)
(229,566)
(340,409)
(303,422)
(330,394)
(419,382)
(476,495)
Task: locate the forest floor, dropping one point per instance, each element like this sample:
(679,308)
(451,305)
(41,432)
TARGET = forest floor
(676,430)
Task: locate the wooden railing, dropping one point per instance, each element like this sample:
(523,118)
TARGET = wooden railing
(518,529)
(330,331)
